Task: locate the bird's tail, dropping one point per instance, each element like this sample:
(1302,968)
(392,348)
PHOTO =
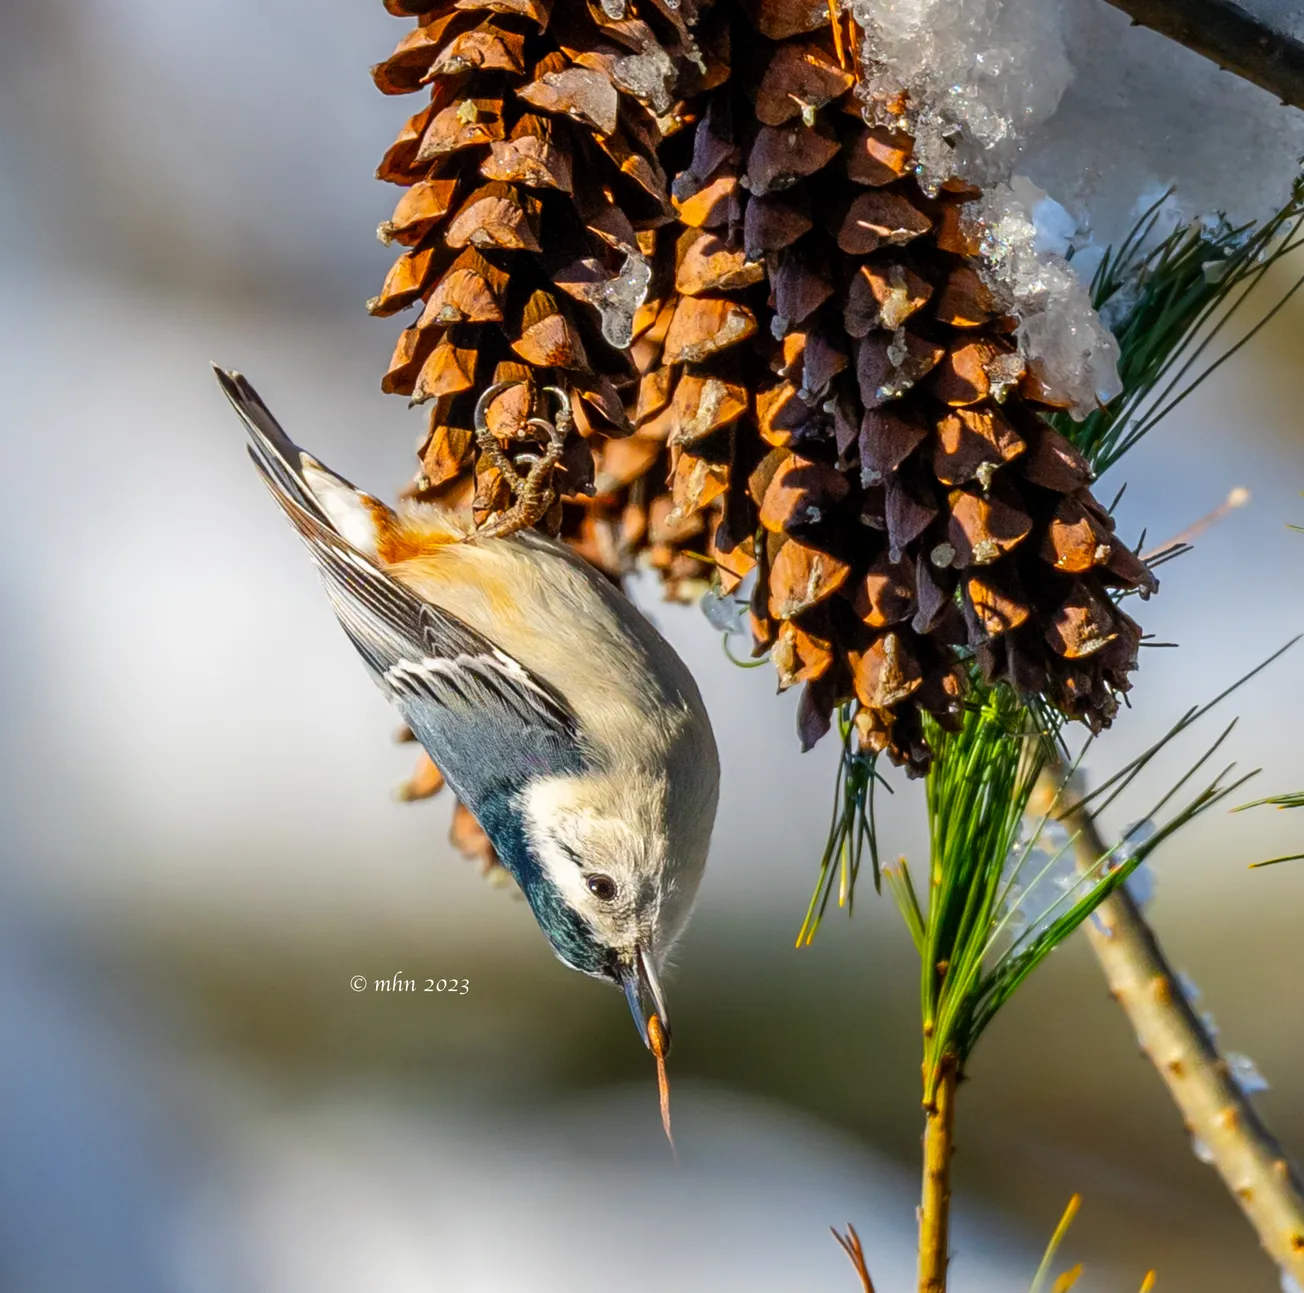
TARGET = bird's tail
(298,482)
(313,496)
(277,456)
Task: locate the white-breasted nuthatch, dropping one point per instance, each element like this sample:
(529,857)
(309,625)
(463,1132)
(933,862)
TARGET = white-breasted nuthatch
(559,716)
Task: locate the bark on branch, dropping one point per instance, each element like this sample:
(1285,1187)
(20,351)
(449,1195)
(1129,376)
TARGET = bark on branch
(1232,37)
(935,1200)
(1176,1041)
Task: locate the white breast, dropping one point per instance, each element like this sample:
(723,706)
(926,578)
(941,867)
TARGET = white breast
(565,623)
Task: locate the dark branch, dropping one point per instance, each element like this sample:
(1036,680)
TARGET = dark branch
(1232,37)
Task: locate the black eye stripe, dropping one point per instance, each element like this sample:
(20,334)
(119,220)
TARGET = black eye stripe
(570,852)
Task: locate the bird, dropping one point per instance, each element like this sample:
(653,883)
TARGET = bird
(560,717)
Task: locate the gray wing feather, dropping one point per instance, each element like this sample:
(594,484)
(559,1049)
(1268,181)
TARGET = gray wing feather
(486,721)
(481,714)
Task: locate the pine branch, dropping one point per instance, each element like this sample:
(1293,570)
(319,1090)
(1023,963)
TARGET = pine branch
(935,1199)
(1232,37)
(1177,1043)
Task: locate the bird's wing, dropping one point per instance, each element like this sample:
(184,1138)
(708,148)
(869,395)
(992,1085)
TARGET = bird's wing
(481,715)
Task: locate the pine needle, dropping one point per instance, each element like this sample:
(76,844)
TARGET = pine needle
(1289,857)
(1293,800)
(660,1043)
(1175,298)
(1052,1248)
(851,831)
(850,1244)
(1238,497)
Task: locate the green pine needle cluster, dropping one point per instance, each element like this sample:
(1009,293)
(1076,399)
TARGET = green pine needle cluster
(1170,302)
(973,953)
(851,833)
(977,792)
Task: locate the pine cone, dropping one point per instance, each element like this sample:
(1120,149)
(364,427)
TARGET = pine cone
(828,393)
(843,400)
(533,188)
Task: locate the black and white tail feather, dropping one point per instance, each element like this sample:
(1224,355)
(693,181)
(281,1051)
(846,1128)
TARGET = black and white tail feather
(464,698)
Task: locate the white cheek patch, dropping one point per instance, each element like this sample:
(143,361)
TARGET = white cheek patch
(572,841)
(565,874)
(544,804)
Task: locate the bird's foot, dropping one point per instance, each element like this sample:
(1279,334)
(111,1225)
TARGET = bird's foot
(487,443)
(533,494)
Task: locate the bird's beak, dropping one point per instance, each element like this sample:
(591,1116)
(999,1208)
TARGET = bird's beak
(643,992)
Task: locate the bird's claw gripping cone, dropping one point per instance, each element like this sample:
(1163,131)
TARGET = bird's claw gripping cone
(534,493)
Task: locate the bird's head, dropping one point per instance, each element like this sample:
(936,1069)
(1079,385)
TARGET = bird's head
(611,873)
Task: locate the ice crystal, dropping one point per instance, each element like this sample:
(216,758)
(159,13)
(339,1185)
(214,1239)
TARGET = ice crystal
(1141,883)
(1041,882)
(974,75)
(1194,996)
(1103,116)
(649,76)
(1022,239)
(617,299)
(1245,1073)
(728,611)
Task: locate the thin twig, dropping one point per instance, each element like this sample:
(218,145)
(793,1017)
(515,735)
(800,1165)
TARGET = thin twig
(1232,37)
(850,1244)
(1175,1040)
(935,1200)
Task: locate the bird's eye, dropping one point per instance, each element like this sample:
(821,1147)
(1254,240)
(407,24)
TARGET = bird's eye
(602,887)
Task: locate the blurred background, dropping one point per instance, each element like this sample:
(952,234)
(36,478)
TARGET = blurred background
(200,846)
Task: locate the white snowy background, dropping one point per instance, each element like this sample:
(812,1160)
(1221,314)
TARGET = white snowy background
(199,848)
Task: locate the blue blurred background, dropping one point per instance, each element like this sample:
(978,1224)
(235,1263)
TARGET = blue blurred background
(200,847)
